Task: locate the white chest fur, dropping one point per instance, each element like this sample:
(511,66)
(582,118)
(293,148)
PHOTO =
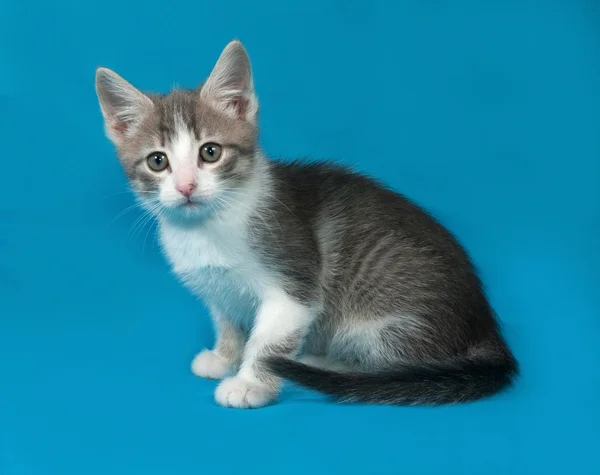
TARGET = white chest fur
(215,262)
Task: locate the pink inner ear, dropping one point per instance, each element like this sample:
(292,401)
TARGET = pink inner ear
(240,105)
(119,127)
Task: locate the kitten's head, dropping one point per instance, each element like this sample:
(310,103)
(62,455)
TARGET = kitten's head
(186,153)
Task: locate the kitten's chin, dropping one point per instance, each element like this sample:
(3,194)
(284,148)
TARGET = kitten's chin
(188,212)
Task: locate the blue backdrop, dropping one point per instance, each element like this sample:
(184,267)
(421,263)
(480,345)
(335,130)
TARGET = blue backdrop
(487,113)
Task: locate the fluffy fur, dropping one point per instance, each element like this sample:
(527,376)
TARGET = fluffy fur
(302,260)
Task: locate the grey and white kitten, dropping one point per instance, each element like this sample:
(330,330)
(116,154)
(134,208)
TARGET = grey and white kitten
(312,272)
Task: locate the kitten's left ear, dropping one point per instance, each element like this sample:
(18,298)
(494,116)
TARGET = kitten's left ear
(229,87)
(123,106)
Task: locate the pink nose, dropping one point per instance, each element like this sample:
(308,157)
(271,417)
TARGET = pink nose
(186,189)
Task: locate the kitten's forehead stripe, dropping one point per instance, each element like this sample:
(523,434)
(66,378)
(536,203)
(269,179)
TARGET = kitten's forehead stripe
(173,109)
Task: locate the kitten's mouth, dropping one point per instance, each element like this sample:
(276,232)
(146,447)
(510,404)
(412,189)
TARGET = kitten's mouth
(191,205)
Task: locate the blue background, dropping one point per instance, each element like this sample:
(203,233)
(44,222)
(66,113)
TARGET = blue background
(487,113)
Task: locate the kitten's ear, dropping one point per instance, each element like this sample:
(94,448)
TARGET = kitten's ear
(229,87)
(123,106)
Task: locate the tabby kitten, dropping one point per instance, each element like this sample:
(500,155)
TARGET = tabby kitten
(312,272)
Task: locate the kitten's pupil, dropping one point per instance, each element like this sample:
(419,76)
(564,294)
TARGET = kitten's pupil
(210,150)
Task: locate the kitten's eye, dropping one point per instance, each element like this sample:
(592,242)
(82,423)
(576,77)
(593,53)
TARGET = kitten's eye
(210,152)
(157,161)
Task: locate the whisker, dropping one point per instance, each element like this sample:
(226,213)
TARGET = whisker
(143,219)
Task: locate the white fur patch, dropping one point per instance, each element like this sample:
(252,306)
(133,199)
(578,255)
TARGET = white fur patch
(182,152)
(214,261)
(278,318)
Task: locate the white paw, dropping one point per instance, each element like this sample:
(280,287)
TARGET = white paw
(207,364)
(237,392)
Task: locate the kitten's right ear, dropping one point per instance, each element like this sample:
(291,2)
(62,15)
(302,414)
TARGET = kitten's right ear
(123,106)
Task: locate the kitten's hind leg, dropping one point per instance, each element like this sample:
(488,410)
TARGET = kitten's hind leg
(224,358)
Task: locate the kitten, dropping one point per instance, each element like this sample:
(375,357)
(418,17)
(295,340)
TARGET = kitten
(312,272)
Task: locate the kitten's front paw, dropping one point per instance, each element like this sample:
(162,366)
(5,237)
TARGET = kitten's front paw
(207,364)
(237,392)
